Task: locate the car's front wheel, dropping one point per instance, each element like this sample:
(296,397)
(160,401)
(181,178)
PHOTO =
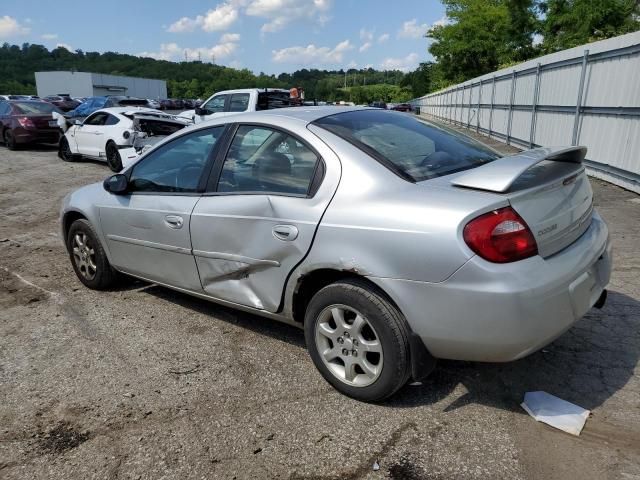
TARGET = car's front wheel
(64,150)
(88,257)
(358,340)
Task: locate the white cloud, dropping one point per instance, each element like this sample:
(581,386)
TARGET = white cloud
(366,35)
(411,29)
(312,55)
(174,52)
(383,38)
(410,62)
(49,36)
(10,27)
(230,37)
(537,39)
(441,22)
(280,13)
(277,13)
(216,19)
(65,45)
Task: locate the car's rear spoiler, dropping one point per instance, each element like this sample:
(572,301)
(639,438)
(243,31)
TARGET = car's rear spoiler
(500,174)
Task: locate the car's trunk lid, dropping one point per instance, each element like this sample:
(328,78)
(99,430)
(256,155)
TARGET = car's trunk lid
(548,188)
(41,121)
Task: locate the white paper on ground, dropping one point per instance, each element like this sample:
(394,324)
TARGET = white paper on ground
(556,412)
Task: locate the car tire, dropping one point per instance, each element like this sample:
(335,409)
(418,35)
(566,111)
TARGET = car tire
(9,140)
(358,340)
(64,150)
(88,258)
(113,157)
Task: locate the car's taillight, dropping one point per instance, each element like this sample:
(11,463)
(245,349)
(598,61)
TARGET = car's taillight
(26,122)
(500,236)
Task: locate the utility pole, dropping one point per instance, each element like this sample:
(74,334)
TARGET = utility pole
(185,56)
(345,79)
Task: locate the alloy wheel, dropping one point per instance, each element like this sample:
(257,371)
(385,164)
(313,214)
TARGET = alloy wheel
(84,256)
(348,345)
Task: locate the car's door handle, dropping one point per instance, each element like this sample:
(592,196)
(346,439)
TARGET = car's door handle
(285,232)
(174,221)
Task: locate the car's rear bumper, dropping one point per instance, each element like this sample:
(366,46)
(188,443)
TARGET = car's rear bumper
(502,312)
(23,135)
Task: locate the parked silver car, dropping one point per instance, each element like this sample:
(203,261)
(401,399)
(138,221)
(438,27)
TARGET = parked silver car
(391,240)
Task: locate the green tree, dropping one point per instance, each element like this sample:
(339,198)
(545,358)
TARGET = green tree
(569,23)
(482,35)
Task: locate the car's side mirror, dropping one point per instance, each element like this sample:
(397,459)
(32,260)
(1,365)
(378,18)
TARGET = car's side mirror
(117,184)
(203,111)
(77,122)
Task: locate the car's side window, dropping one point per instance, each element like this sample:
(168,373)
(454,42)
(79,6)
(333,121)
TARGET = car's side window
(112,120)
(98,118)
(176,166)
(265,160)
(4,108)
(239,102)
(216,104)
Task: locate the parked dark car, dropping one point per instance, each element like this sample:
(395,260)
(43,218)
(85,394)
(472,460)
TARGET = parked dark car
(63,102)
(178,104)
(28,121)
(93,104)
(166,104)
(402,107)
(382,105)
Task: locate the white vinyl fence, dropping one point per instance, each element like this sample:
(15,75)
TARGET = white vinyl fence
(587,95)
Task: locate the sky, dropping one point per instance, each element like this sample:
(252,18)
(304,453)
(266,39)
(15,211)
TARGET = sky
(270,36)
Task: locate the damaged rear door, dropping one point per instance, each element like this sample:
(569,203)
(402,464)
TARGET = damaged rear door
(268,195)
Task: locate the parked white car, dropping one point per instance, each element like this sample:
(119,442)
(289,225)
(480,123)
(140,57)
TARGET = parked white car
(229,102)
(117,135)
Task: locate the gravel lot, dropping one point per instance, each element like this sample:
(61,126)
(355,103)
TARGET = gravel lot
(145,383)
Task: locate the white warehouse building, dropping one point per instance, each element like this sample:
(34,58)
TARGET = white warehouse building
(85,84)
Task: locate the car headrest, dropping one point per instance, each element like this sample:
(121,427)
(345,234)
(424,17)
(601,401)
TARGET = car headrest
(272,165)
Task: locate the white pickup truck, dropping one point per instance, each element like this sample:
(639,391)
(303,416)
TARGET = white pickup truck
(243,100)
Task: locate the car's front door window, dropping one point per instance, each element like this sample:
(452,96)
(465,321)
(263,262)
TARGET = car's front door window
(176,166)
(98,118)
(216,104)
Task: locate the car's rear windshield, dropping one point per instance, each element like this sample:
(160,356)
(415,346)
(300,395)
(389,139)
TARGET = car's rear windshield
(35,107)
(410,147)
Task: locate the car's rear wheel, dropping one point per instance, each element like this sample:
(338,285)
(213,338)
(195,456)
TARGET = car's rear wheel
(9,140)
(88,257)
(358,340)
(64,150)
(113,157)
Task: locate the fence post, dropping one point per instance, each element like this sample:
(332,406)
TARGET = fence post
(513,84)
(576,119)
(493,96)
(469,108)
(534,106)
(478,110)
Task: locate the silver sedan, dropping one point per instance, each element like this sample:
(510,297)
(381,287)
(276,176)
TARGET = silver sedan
(390,240)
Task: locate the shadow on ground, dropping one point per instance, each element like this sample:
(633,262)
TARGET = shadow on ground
(586,365)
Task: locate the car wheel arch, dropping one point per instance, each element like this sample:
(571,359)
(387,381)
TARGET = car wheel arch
(68,219)
(421,360)
(312,282)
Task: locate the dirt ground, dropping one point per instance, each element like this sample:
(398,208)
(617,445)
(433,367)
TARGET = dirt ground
(144,382)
